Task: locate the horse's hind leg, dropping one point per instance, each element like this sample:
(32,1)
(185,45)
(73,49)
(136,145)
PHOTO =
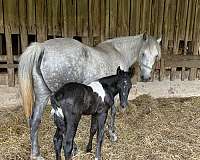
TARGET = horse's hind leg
(41,99)
(111,127)
(35,121)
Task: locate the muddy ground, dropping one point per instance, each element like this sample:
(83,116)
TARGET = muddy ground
(150,129)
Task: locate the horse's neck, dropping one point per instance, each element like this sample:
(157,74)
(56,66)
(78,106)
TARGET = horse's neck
(127,47)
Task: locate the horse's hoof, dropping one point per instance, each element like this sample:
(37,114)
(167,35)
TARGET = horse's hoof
(37,158)
(74,151)
(113,137)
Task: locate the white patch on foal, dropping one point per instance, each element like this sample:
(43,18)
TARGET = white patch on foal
(98,88)
(58,112)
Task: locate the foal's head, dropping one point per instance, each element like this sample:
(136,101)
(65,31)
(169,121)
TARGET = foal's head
(124,85)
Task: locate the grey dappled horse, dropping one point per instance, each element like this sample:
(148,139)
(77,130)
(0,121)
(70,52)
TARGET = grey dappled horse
(67,60)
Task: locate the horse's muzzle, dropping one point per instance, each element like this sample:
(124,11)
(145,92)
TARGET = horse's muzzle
(144,79)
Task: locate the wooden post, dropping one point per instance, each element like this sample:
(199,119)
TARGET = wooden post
(23,24)
(41,20)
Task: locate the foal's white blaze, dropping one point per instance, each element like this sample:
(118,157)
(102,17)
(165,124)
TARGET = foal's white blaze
(58,112)
(98,88)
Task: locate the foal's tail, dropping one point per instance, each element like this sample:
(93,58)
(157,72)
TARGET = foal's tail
(27,61)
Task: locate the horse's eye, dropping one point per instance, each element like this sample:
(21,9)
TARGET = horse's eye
(157,58)
(143,54)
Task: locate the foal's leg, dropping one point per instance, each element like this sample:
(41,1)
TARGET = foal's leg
(101,119)
(112,134)
(93,130)
(58,138)
(72,121)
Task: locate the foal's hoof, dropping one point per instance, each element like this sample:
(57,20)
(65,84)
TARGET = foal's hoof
(88,148)
(113,137)
(36,157)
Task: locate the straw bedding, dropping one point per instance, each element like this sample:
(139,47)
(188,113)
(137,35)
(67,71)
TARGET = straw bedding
(150,129)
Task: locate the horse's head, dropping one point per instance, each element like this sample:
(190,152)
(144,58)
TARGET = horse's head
(124,85)
(150,52)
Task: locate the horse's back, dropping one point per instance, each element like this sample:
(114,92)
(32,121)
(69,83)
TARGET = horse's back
(60,45)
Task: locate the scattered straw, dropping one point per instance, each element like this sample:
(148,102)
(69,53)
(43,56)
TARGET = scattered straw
(150,129)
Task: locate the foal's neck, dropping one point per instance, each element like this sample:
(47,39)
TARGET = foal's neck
(110,85)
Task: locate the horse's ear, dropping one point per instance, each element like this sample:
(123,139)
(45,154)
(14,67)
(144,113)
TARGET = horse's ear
(118,70)
(159,40)
(131,71)
(145,36)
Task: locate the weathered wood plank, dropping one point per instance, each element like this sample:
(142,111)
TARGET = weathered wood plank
(160,16)
(56,19)
(187,26)
(148,16)
(65,18)
(123,18)
(103,20)
(41,20)
(192,74)
(196,29)
(135,17)
(1,17)
(31,16)
(162,69)
(176,28)
(82,18)
(165,26)
(107,19)
(143,16)
(11,16)
(193,6)
(183,18)
(49,17)
(113,18)
(11,77)
(23,24)
(171,19)
(95,17)
(10,66)
(182,61)
(70,23)
(193,71)
(3,58)
(175,35)
(11,22)
(154,18)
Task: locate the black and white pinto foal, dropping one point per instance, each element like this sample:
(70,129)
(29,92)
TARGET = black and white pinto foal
(75,99)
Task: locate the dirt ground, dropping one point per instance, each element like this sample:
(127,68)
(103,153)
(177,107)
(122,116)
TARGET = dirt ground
(150,129)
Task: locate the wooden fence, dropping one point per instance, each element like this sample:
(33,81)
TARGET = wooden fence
(178,21)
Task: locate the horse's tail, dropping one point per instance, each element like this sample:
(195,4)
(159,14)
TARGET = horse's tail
(27,61)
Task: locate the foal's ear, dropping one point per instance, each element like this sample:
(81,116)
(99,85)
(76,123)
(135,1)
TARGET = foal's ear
(118,70)
(131,71)
(145,36)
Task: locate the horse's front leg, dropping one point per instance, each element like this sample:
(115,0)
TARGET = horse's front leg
(35,121)
(101,119)
(111,126)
